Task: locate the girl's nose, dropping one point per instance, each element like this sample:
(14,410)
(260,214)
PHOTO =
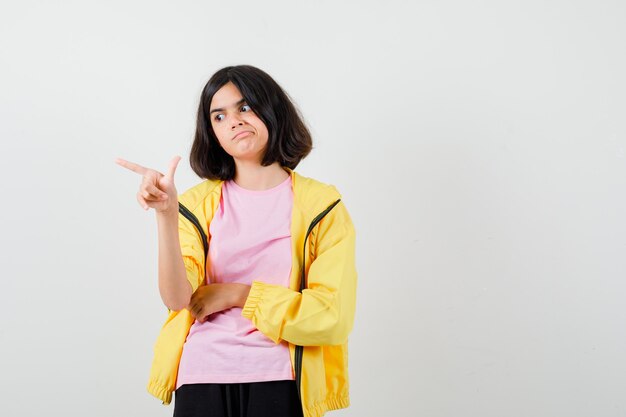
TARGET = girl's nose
(235,121)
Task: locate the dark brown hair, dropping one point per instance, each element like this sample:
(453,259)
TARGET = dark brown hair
(289,140)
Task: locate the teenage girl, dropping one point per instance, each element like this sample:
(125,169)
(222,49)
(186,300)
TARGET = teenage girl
(256,263)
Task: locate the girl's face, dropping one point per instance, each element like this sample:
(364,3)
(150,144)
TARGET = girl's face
(238,129)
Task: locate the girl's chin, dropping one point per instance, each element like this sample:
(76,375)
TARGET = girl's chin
(247,157)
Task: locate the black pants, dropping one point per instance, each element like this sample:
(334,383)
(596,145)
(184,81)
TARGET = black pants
(254,399)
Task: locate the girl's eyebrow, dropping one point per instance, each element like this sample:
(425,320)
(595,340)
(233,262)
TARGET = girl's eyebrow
(243,100)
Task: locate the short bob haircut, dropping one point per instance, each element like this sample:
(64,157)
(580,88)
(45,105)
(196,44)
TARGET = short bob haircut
(289,140)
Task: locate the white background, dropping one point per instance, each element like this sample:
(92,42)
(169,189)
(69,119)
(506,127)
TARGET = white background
(479,146)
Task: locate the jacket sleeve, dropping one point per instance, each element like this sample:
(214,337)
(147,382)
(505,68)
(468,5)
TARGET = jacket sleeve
(323,314)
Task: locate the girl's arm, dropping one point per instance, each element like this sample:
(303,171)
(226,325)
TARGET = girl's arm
(174,286)
(158,191)
(323,314)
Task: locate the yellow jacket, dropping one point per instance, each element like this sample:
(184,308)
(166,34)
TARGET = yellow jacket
(315,322)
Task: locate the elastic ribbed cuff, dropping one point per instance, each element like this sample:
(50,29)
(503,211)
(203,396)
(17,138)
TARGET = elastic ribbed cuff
(256,292)
(160,392)
(329,404)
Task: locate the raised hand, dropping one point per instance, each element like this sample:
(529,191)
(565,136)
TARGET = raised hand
(156,190)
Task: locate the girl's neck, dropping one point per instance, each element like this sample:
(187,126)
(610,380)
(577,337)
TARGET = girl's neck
(256,177)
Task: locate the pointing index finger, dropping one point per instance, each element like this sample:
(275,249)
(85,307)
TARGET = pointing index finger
(132,166)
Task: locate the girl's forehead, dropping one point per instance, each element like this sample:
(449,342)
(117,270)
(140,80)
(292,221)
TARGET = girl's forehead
(228,95)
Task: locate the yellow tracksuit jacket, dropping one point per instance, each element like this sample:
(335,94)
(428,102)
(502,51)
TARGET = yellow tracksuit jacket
(315,322)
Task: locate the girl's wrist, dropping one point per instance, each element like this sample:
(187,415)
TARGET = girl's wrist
(240,294)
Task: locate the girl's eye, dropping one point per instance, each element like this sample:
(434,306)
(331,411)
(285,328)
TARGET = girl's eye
(245,107)
(219,117)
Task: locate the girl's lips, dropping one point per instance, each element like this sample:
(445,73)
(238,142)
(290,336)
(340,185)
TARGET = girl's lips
(242,134)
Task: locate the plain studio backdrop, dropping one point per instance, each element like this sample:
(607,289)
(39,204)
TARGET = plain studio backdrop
(479,146)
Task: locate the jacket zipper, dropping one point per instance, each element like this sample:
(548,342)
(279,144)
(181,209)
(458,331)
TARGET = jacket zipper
(299,349)
(193,219)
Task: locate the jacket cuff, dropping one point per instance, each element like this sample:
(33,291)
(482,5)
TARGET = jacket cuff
(254,297)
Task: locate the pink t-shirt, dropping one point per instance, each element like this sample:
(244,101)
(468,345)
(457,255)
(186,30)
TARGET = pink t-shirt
(250,240)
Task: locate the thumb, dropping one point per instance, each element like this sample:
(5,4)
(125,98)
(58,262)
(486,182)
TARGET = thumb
(172,167)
